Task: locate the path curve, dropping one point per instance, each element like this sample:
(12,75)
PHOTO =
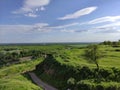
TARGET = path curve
(40,83)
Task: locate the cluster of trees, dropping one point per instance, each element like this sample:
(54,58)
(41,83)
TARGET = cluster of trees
(114,43)
(8,57)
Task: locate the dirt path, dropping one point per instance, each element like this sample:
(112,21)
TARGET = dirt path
(40,82)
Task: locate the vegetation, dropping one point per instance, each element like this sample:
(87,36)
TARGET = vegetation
(65,76)
(12,72)
(17,82)
(63,66)
(92,54)
(70,69)
(114,43)
(13,77)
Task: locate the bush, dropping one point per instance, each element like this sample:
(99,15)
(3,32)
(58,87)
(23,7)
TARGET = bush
(100,87)
(107,74)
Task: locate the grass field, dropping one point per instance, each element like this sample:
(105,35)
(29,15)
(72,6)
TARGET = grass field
(13,77)
(74,57)
(68,57)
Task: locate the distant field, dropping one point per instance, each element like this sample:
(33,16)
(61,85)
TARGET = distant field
(78,45)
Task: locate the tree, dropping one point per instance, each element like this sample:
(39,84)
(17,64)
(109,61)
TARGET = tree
(107,43)
(93,54)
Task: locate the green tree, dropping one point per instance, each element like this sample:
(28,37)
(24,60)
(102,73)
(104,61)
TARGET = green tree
(118,42)
(93,54)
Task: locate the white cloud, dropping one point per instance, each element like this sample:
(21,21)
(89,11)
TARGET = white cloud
(115,24)
(40,27)
(44,27)
(30,7)
(104,19)
(37,32)
(79,13)
(15,28)
(35,3)
(42,8)
(65,26)
(31,15)
(107,28)
(71,31)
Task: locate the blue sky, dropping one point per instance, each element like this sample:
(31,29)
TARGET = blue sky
(37,21)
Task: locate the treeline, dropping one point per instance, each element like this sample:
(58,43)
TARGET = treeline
(114,43)
(9,56)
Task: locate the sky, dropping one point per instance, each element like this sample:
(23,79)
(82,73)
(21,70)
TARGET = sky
(40,21)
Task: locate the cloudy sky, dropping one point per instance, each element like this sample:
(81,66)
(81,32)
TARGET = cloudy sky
(36,21)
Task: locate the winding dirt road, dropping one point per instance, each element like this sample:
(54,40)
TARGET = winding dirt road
(40,82)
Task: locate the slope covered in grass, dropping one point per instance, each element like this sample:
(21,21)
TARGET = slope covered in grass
(58,69)
(66,69)
(12,77)
(17,82)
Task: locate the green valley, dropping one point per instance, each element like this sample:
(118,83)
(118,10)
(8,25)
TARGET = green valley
(60,65)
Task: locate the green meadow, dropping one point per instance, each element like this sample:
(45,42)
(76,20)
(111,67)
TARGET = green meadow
(13,77)
(62,66)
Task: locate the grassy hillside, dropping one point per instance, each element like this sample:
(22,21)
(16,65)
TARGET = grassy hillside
(68,69)
(17,82)
(111,56)
(13,67)
(12,77)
